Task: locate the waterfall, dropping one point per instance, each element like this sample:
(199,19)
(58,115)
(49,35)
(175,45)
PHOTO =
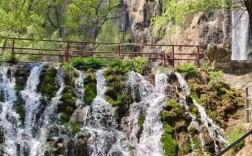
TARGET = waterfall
(240,35)
(152,100)
(100,125)
(138,133)
(8,116)
(49,117)
(32,102)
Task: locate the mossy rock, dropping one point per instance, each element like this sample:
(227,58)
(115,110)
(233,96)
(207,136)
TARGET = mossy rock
(169,143)
(64,118)
(49,84)
(21,75)
(75,127)
(90,93)
(20,104)
(67,105)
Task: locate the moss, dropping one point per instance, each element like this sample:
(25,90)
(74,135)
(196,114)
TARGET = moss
(188,148)
(20,104)
(90,87)
(75,127)
(49,85)
(141,120)
(64,118)
(169,142)
(196,142)
(173,111)
(67,105)
(90,93)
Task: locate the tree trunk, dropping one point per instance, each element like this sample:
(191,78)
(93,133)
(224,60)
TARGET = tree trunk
(248,5)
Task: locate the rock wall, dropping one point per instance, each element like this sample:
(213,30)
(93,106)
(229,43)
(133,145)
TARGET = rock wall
(200,29)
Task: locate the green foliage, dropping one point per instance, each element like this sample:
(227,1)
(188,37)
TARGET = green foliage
(169,143)
(176,12)
(188,70)
(235,134)
(88,63)
(138,64)
(216,78)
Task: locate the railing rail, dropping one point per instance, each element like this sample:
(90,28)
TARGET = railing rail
(70,49)
(234,143)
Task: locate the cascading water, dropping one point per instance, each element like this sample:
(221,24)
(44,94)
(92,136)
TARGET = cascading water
(240,35)
(8,116)
(152,100)
(32,102)
(101,125)
(49,116)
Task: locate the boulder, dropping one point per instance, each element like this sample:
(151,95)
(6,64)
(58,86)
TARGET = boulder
(219,53)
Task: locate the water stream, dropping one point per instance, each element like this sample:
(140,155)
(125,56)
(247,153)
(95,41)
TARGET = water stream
(240,35)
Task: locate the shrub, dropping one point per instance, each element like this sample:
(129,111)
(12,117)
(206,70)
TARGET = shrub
(188,70)
(138,64)
(88,63)
(216,79)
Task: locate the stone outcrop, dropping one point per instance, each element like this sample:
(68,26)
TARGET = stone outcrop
(219,53)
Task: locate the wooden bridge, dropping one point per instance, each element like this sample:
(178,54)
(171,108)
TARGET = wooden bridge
(32,50)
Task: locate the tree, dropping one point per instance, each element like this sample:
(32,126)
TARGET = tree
(176,11)
(72,19)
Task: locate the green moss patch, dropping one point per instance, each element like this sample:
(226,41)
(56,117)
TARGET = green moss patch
(49,84)
(67,105)
(169,143)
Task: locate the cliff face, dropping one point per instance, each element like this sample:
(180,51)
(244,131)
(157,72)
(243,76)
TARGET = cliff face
(200,29)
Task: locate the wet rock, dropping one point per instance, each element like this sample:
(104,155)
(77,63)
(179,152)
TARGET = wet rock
(208,141)
(2,138)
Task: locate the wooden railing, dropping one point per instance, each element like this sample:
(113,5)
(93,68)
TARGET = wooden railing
(234,143)
(169,54)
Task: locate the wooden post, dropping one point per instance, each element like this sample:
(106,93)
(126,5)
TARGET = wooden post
(13,46)
(198,57)
(119,51)
(67,52)
(173,58)
(247,106)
